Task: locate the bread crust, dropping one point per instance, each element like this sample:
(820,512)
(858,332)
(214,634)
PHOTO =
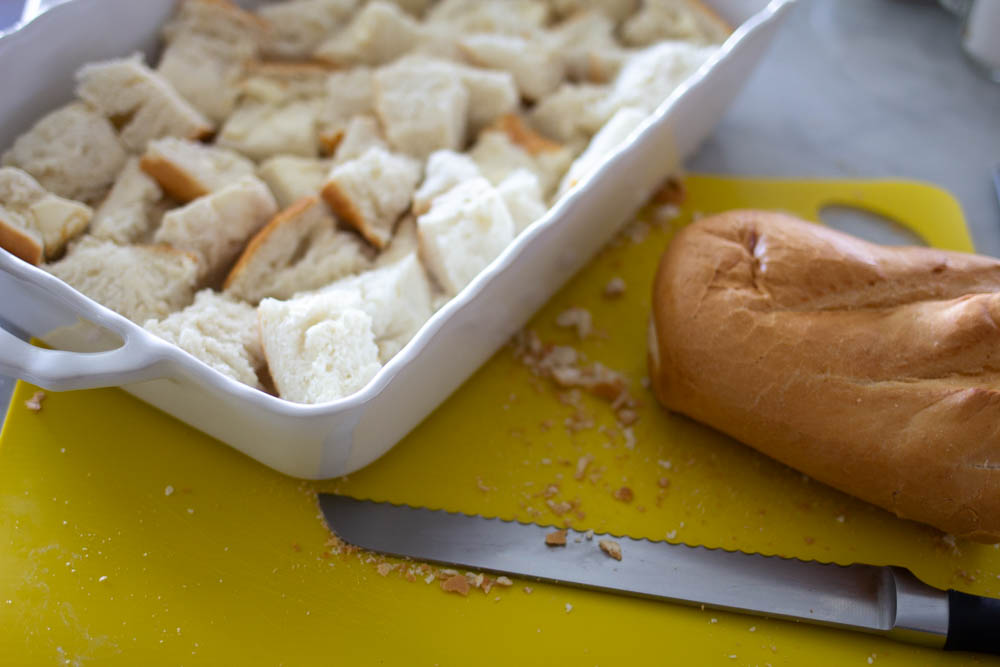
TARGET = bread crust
(521,135)
(870,368)
(263,235)
(20,243)
(346,210)
(175,181)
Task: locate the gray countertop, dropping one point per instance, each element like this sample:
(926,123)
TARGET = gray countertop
(863,89)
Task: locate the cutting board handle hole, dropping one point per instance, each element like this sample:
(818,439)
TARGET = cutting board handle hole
(868,225)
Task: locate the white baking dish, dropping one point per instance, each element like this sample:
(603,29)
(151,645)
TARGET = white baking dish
(37,62)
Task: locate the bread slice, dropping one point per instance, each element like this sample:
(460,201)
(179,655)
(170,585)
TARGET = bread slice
(298,27)
(378,34)
(132,210)
(536,66)
(360,134)
(214,228)
(422,105)
(870,368)
(616,10)
(572,114)
(219,331)
(73,152)
(140,282)
(512,17)
(522,195)
(464,230)
(444,170)
(319,347)
(299,250)
(33,222)
(349,93)
(291,177)
(372,192)
(511,145)
(678,20)
(125,87)
(187,169)
(605,142)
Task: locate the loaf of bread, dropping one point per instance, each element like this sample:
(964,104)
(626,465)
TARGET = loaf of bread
(873,369)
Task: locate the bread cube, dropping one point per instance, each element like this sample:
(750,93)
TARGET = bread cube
(33,222)
(571,114)
(537,68)
(291,177)
(444,170)
(298,27)
(681,20)
(511,145)
(522,195)
(132,210)
(360,134)
(513,17)
(605,142)
(348,94)
(378,34)
(187,169)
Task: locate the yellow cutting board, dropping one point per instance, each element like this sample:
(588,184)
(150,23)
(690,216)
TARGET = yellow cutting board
(128,538)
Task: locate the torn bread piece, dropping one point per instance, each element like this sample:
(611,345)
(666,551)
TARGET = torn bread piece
(681,20)
(572,114)
(219,331)
(522,195)
(378,34)
(319,346)
(72,152)
(513,17)
(132,210)
(298,27)
(140,282)
(511,145)
(422,105)
(125,87)
(537,68)
(300,249)
(464,230)
(207,43)
(187,169)
(291,177)
(372,192)
(34,222)
(214,228)
(606,141)
(583,39)
(444,170)
(492,93)
(348,94)
(404,242)
(360,134)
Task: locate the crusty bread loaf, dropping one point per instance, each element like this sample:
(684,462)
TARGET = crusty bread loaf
(300,249)
(872,369)
(34,222)
(73,152)
(132,210)
(140,282)
(188,169)
(220,331)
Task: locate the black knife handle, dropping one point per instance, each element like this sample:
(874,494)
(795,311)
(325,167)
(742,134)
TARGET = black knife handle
(973,623)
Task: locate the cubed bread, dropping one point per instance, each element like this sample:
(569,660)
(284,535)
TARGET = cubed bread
(360,134)
(464,230)
(513,17)
(617,10)
(219,331)
(378,34)
(188,169)
(571,114)
(537,68)
(291,177)
(583,40)
(605,142)
(132,210)
(214,228)
(34,222)
(422,105)
(492,93)
(371,192)
(651,75)
(511,145)
(349,93)
(319,347)
(299,26)
(444,170)
(522,196)
(125,87)
(208,42)
(403,242)
(299,250)
(680,20)
(73,152)
(140,282)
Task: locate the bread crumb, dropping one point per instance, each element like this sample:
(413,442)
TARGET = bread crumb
(663,482)
(714,620)
(559,508)
(481,486)
(581,466)
(556,538)
(615,288)
(102,578)
(385,568)
(753,628)
(504,581)
(629,438)
(35,402)
(623,494)
(569,607)
(840,518)
(576,318)
(611,548)
(429,578)
(528,590)
(456,583)
(672,534)
(589,535)
(169,491)
(487,585)
(550,491)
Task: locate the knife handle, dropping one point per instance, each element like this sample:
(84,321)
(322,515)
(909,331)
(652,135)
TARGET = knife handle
(973,623)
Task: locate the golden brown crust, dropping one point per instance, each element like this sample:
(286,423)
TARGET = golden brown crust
(346,210)
(260,239)
(520,134)
(711,17)
(174,180)
(870,368)
(20,243)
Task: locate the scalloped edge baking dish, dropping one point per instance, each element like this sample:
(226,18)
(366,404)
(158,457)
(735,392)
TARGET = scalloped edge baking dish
(37,61)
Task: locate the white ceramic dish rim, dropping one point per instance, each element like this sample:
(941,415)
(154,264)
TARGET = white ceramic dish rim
(142,355)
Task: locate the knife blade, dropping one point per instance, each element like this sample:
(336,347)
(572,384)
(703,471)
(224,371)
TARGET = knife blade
(884,600)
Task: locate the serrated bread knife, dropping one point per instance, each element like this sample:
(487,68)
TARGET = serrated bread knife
(880,600)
